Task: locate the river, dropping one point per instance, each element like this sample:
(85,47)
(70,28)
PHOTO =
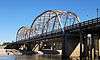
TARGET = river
(35,57)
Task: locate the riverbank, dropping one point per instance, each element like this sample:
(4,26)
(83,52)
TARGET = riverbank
(4,52)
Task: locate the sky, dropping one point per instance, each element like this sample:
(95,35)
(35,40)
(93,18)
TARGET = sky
(17,13)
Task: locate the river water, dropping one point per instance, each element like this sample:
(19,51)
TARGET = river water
(35,57)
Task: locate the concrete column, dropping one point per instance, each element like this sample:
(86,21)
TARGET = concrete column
(69,44)
(85,50)
(81,48)
(65,47)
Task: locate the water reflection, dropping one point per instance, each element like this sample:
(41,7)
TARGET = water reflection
(39,57)
(7,58)
(35,57)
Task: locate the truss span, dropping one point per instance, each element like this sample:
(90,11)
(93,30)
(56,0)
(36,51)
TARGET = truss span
(53,20)
(48,22)
(23,33)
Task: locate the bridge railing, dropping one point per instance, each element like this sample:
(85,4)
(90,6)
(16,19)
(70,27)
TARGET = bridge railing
(83,24)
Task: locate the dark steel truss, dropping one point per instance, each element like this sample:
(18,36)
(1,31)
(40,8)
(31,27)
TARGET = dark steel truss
(53,21)
(23,33)
(48,22)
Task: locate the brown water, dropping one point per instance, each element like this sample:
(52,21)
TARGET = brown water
(35,57)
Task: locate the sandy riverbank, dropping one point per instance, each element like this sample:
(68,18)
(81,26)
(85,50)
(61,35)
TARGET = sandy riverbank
(4,52)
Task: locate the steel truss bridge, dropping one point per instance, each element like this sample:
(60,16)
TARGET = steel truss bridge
(61,30)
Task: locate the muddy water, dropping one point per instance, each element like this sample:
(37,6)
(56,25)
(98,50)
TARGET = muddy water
(35,57)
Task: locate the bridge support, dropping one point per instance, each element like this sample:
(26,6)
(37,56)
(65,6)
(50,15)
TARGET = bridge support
(89,45)
(65,47)
(83,46)
(69,43)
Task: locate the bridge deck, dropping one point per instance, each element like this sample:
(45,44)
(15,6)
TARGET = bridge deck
(86,25)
